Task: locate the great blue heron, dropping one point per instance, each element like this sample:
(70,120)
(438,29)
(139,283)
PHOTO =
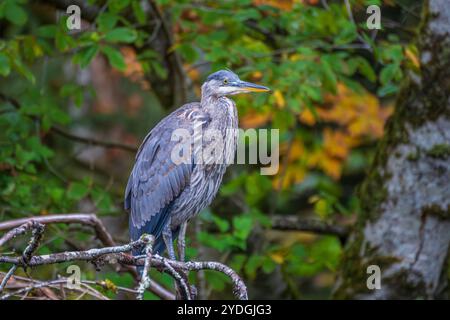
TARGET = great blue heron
(163,195)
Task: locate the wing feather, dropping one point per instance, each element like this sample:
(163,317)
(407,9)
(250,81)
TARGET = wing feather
(155,181)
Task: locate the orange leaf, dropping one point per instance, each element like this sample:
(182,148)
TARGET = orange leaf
(254,120)
(413,57)
(285,5)
(336,144)
(279,99)
(332,167)
(307,117)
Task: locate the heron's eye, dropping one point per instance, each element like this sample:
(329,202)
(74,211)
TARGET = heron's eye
(225,81)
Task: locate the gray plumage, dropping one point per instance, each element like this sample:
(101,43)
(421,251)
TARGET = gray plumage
(160,194)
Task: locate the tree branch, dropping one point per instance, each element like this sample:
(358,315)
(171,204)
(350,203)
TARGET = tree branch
(145,279)
(25,224)
(93,141)
(36,237)
(20,226)
(293,223)
(116,254)
(66,134)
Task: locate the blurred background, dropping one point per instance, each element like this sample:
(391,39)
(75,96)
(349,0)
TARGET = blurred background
(75,105)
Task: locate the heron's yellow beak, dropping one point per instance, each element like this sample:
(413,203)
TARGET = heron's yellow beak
(252,87)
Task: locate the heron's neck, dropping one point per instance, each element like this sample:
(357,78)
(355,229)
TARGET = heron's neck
(208,102)
(208,99)
(214,104)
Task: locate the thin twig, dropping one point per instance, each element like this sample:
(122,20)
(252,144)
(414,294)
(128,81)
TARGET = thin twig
(36,237)
(115,255)
(33,244)
(7,277)
(239,287)
(87,255)
(293,223)
(93,141)
(54,284)
(60,284)
(145,278)
(180,281)
(83,218)
(352,19)
(17,231)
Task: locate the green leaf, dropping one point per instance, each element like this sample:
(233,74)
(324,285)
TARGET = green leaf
(123,34)
(388,73)
(159,69)
(148,54)
(138,12)
(115,58)
(77,191)
(15,14)
(62,40)
(102,200)
(237,262)
(218,243)
(47,31)
(23,70)
(392,53)
(268,265)
(329,78)
(387,90)
(242,224)
(106,21)
(252,265)
(5,67)
(247,14)
(188,52)
(118,5)
(74,91)
(366,70)
(85,56)
(222,224)
(216,280)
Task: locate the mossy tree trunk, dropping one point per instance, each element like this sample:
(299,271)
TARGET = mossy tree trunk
(404,227)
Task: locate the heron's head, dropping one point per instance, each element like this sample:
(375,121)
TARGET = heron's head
(225,82)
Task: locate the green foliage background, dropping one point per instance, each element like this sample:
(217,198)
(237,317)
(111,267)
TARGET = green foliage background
(304,51)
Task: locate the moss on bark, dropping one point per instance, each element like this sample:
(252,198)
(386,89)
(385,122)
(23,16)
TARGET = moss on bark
(440,151)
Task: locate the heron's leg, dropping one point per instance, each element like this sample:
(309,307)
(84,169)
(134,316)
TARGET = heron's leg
(181,246)
(167,237)
(182,242)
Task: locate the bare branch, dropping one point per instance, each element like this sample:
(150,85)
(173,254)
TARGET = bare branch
(7,276)
(116,254)
(56,284)
(352,19)
(293,223)
(239,287)
(93,141)
(181,282)
(87,255)
(145,278)
(36,237)
(82,218)
(17,231)
(60,285)
(33,244)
